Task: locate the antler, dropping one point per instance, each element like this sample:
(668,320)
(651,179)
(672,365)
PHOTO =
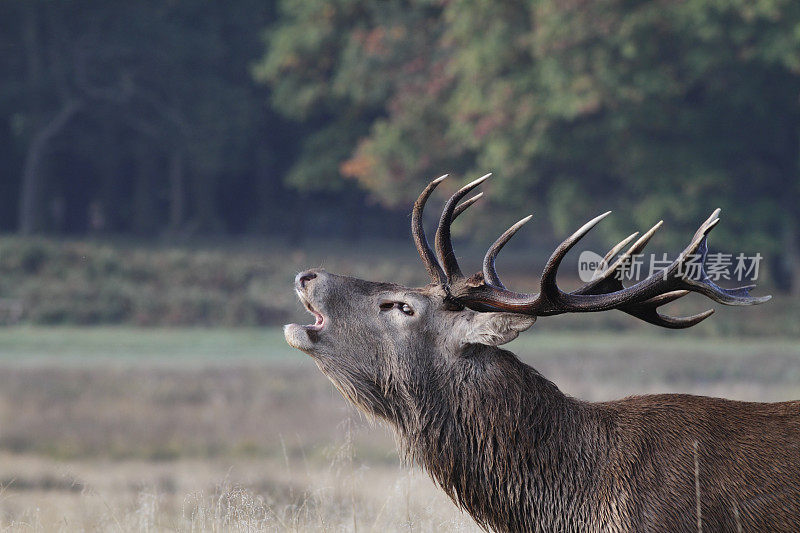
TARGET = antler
(485,291)
(448,271)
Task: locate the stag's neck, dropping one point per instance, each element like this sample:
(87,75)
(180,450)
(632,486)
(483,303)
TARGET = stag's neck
(512,449)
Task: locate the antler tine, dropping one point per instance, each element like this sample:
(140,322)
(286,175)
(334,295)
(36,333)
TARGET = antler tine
(614,251)
(418,231)
(549,288)
(664,299)
(444,246)
(639,245)
(699,248)
(463,206)
(671,322)
(610,279)
(489,271)
(648,311)
(735,296)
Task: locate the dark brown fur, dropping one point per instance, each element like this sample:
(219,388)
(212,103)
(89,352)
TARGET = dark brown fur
(519,455)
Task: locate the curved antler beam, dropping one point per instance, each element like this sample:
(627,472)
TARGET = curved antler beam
(444,245)
(418,232)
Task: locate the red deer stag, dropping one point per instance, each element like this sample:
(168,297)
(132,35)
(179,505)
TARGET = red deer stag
(504,442)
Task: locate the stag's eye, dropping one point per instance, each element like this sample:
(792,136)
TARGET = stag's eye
(402,306)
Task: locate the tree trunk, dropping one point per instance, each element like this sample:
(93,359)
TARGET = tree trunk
(32,208)
(177,195)
(204,198)
(144,194)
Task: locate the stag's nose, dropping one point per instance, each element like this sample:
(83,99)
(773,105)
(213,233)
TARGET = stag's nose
(304,278)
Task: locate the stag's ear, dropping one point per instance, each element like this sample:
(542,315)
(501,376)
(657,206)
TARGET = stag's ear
(494,329)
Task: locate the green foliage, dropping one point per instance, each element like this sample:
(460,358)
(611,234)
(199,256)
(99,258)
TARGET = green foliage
(348,64)
(198,118)
(661,110)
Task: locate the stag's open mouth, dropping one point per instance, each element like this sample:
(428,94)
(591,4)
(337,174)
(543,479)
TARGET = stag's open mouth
(304,337)
(319,322)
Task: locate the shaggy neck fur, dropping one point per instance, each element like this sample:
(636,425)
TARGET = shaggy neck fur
(475,432)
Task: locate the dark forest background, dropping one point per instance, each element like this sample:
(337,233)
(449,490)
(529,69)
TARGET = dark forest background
(183,121)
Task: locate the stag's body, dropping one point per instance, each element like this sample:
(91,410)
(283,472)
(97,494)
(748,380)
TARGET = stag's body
(504,442)
(526,457)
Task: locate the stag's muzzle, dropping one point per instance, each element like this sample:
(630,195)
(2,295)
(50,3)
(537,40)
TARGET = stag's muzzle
(306,285)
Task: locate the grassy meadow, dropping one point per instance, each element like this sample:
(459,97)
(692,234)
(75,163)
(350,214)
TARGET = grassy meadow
(194,429)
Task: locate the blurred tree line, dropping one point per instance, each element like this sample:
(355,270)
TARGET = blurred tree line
(144,119)
(183,118)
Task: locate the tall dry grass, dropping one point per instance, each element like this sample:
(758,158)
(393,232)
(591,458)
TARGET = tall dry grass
(109,443)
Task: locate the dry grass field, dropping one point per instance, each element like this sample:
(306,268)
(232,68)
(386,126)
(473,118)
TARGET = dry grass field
(119,429)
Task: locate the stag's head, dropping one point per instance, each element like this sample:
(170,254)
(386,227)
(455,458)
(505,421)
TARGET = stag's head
(387,347)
